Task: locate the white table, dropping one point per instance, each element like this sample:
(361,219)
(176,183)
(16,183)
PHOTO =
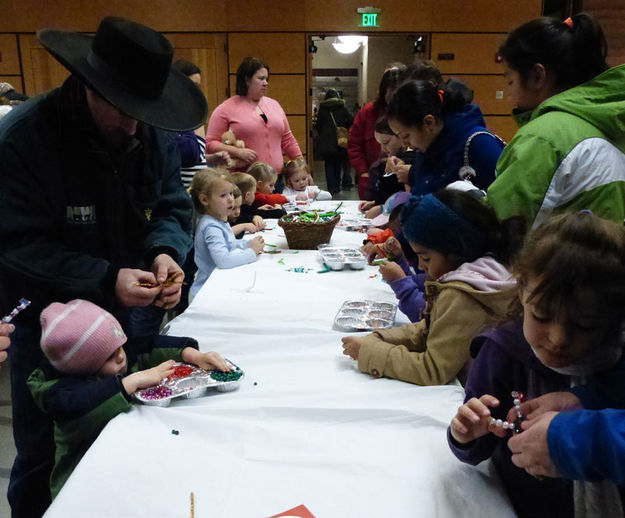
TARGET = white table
(305,427)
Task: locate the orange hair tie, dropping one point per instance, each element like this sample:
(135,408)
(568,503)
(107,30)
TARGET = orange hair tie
(569,22)
(440,95)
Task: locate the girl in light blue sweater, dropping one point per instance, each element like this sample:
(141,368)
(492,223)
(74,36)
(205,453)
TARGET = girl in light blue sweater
(215,244)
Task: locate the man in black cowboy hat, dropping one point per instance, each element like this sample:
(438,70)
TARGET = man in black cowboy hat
(91,205)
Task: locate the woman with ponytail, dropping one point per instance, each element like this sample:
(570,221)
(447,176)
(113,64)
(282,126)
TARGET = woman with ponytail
(447,132)
(568,153)
(464,252)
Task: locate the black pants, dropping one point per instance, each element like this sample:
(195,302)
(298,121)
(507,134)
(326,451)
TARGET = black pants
(29,487)
(338,173)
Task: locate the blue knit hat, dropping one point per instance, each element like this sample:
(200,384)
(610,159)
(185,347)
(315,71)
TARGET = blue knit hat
(428,222)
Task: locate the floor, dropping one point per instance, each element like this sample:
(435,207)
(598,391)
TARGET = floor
(7,447)
(318,172)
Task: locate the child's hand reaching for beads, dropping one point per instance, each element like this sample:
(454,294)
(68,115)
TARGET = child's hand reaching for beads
(393,248)
(391,271)
(258,222)
(351,346)
(148,377)
(473,420)
(257,244)
(208,361)
(302,196)
(249,227)
(370,251)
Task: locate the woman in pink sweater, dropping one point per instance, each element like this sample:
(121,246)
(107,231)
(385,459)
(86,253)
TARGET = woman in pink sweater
(254,118)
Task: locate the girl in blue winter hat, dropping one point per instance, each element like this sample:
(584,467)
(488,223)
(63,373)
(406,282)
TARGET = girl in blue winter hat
(464,252)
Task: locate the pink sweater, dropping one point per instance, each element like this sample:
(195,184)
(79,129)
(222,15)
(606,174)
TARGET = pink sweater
(269,140)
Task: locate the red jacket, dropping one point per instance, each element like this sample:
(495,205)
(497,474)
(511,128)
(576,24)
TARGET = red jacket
(362,148)
(271,199)
(380,237)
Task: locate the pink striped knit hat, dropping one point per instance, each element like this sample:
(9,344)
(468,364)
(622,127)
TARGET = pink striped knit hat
(78,337)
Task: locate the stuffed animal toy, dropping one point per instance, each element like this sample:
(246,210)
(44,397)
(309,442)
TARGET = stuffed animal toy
(230,139)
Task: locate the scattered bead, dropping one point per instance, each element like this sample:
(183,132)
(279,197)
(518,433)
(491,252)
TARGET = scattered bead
(175,432)
(255,383)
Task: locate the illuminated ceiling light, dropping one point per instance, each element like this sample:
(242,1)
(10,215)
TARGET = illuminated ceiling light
(348,44)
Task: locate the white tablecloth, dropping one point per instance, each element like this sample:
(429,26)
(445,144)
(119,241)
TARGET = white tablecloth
(305,427)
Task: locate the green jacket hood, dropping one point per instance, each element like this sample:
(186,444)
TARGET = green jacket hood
(600,102)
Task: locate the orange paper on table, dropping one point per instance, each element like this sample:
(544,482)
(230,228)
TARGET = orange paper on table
(300,511)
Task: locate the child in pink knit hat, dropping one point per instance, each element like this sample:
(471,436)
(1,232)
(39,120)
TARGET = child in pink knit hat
(84,383)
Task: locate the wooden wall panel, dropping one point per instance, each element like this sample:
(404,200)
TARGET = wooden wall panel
(14,81)
(504,126)
(284,53)
(85,16)
(298,127)
(486,91)
(611,16)
(41,71)
(473,53)
(208,52)
(9,56)
(482,15)
(288,90)
(396,15)
(274,15)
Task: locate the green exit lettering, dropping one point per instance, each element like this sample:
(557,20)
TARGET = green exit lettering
(369,20)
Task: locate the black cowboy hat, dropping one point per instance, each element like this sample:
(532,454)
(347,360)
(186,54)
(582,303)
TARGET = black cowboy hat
(130,66)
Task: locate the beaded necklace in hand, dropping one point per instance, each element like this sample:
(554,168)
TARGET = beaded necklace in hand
(515,426)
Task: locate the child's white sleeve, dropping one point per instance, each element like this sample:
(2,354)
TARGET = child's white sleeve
(289,193)
(321,195)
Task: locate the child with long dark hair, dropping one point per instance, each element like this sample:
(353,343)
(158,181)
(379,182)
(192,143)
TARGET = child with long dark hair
(448,134)
(567,331)
(463,250)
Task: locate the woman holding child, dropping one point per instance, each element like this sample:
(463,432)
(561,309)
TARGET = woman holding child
(254,118)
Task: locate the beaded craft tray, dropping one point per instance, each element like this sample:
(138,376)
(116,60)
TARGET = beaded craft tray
(338,258)
(365,315)
(189,381)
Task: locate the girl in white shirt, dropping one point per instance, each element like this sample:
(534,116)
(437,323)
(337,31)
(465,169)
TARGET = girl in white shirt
(296,179)
(215,244)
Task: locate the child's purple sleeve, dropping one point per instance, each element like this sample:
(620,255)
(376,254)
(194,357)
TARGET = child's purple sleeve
(410,296)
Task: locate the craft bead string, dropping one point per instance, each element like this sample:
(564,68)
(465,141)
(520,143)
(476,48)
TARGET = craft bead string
(515,426)
(21,306)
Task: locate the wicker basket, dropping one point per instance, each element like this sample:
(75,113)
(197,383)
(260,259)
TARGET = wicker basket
(307,235)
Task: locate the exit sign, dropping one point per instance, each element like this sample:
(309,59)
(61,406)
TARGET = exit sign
(369,20)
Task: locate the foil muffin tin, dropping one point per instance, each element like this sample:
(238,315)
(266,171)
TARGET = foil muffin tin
(189,381)
(355,223)
(338,258)
(365,315)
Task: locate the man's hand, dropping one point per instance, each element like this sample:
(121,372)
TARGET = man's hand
(136,287)
(530,450)
(165,268)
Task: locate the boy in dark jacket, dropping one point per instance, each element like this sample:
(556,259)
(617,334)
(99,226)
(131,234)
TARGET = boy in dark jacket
(84,382)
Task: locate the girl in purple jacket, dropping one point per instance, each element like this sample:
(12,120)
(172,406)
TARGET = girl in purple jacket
(571,279)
